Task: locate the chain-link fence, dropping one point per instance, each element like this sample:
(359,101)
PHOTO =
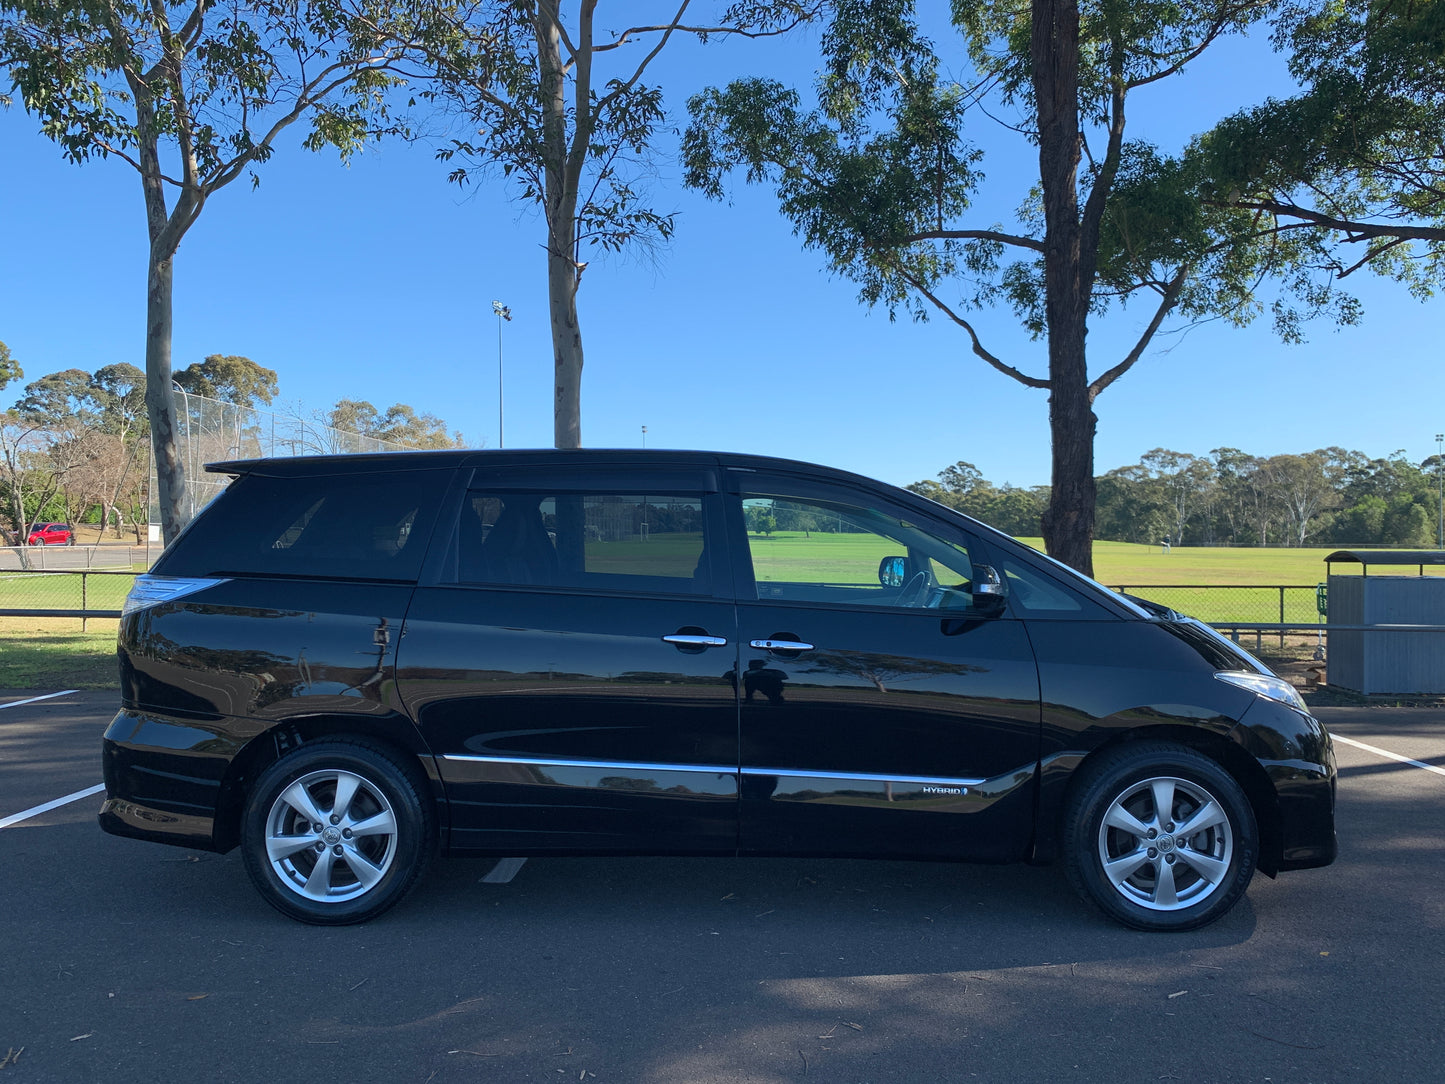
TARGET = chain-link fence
(1219,605)
(112,555)
(1245,603)
(84,594)
(210,431)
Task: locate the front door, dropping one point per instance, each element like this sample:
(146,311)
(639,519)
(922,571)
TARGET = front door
(883,712)
(572,668)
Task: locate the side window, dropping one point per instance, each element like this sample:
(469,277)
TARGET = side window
(622,542)
(351,526)
(1036,595)
(806,549)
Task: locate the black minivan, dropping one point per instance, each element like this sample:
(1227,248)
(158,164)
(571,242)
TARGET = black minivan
(345,664)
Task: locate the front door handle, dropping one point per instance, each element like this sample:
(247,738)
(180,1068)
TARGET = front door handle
(780,645)
(689,639)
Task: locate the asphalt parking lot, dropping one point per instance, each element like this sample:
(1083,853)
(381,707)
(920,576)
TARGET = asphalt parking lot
(125,961)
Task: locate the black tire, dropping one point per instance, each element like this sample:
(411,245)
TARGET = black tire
(1178,871)
(293,809)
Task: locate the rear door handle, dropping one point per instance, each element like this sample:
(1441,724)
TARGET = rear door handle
(780,645)
(688,639)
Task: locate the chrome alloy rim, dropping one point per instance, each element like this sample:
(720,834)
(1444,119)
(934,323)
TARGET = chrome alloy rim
(331,836)
(1165,844)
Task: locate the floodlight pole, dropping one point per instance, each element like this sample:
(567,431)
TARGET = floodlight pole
(1440,480)
(644,436)
(503,313)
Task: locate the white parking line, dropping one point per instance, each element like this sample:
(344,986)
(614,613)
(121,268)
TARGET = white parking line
(33,699)
(26,814)
(1388,755)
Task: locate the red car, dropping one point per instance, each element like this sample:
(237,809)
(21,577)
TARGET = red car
(51,534)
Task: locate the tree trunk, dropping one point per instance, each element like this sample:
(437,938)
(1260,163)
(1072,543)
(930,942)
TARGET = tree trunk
(160,403)
(561,174)
(566,351)
(17,513)
(1068,522)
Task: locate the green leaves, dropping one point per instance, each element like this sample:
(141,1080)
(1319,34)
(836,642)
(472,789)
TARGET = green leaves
(214,85)
(862,197)
(9,367)
(400,424)
(1356,161)
(231,379)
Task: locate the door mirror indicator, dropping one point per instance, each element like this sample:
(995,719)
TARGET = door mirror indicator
(990,591)
(891,571)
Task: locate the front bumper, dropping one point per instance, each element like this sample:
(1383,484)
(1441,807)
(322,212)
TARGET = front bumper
(1296,753)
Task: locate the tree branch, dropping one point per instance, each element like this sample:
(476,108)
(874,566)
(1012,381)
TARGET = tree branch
(1354,231)
(974,235)
(624,87)
(978,347)
(625,37)
(1166,305)
(1215,29)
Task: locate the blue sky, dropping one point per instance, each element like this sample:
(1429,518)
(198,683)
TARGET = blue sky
(375,282)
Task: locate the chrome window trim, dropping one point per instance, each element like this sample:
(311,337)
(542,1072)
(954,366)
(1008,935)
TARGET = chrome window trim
(791,773)
(619,765)
(799,773)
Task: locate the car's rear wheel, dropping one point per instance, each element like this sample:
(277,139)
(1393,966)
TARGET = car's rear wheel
(336,833)
(1159,836)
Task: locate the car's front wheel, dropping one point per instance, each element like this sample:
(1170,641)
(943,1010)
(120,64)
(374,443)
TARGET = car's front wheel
(336,833)
(1159,836)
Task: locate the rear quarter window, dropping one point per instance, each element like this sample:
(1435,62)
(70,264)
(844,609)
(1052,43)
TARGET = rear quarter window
(340,526)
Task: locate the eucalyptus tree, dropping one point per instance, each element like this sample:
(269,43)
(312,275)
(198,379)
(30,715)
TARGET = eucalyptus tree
(400,424)
(558,105)
(9,367)
(883,177)
(1357,156)
(194,95)
(229,378)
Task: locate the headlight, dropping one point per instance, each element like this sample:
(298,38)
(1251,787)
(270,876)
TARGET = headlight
(1265,685)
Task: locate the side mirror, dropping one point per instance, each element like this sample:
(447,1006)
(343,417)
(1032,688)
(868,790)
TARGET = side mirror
(990,591)
(891,571)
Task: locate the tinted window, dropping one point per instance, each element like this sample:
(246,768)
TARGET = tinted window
(351,526)
(1037,595)
(821,550)
(628,542)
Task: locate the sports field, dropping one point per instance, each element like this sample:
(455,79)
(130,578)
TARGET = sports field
(1130,564)
(1221,585)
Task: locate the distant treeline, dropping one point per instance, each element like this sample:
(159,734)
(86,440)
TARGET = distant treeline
(75,446)
(1326,497)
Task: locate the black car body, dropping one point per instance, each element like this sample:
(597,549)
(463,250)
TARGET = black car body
(346,663)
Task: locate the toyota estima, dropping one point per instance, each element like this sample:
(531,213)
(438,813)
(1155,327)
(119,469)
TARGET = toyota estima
(347,664)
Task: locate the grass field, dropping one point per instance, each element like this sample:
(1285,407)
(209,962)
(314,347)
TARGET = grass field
(50,653)
(1229,585)
(1130,564)
(63,590)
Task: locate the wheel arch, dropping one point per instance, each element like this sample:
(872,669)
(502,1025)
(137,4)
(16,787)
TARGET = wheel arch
(1220,748)
(385,735)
